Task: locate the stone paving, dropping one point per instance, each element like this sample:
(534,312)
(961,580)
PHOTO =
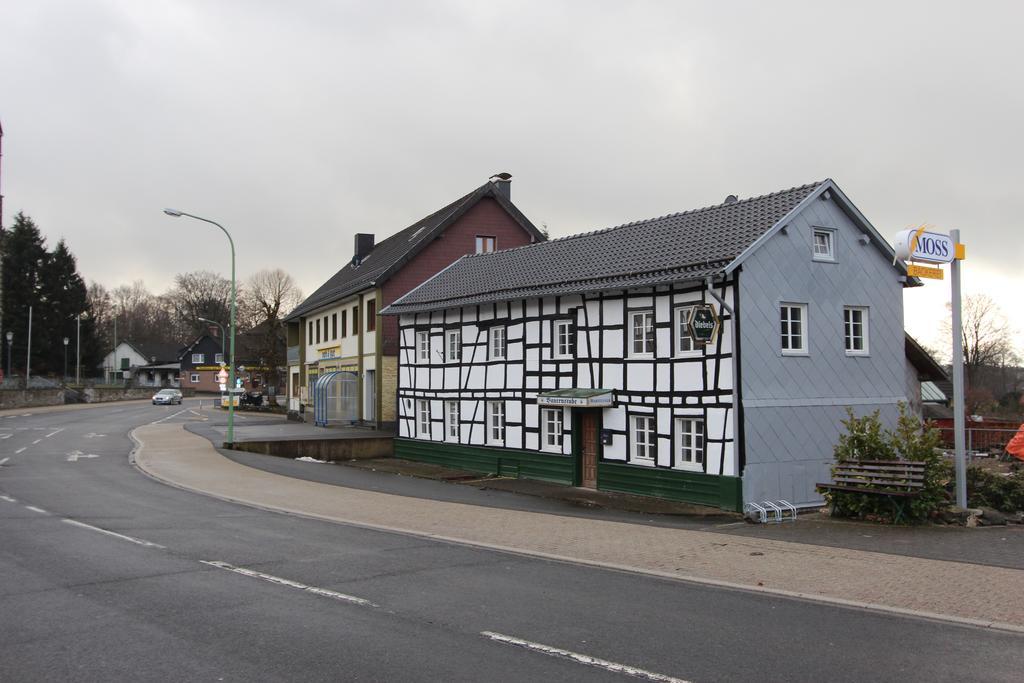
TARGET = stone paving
(972,593)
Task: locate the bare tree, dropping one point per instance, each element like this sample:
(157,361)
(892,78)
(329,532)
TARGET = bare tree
(270,295)
(199,294)
(987,337)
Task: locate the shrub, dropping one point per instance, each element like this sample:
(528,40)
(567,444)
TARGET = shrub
(867,439)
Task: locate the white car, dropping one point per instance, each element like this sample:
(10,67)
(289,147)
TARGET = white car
(167,397)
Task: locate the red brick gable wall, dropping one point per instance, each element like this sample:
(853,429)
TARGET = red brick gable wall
(486,218)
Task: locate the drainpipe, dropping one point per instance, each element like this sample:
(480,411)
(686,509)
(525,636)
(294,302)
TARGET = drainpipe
(735,365)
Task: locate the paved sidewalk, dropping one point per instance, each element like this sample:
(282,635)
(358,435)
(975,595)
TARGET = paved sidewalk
(982,595)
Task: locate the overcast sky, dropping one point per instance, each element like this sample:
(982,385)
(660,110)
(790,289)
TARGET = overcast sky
(298,124)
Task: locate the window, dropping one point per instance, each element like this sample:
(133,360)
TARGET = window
(218,358)
(453,346)
(824,245)
(318,330)
(642,337)
(499,344)
(355,320)
(451,421)
(551,429)
(309,335)
(496,422)
(684,341)
(644,437)
(423,419)
(197,358)
(344,324)
(423,347)
(194,378)
(334,325)
(124,363)
(855,330)
(562,339)
(485,243)
(793,318)
(690,443)
(371,315)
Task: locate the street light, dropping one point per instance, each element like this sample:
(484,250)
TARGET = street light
(222,335)
(10,343)
(231,363)
(66,340)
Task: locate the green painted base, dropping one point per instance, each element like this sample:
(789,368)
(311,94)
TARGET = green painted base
(688,487)
(505,462)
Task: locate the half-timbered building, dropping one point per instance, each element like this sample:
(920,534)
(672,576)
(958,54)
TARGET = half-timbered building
(596,359)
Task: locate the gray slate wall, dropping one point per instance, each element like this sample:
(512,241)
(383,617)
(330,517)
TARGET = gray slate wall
(793,404)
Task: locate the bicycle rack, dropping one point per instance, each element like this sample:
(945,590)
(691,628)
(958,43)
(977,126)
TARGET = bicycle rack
(770,512)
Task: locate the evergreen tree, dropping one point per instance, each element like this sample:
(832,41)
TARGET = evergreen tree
(23,257)
(63,297)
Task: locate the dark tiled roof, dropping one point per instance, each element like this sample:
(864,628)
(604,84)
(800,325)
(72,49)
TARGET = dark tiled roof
(392,253)
(163,352)
(683,246)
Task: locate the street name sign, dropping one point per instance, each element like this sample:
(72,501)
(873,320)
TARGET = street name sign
(704,324)
(914,270)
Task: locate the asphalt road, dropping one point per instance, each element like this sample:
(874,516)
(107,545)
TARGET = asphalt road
(108,575)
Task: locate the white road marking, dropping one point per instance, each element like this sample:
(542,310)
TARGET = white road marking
(20,450)
(6,436)
(33,508)
(74,456)
(25,415)
(291,584)
(8,499)
(36,441)
(156,422)
(54,432)
(93,435)
(4,461)
(582,659)
(130,539)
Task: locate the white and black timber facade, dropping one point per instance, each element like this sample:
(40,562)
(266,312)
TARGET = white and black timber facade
(574,360)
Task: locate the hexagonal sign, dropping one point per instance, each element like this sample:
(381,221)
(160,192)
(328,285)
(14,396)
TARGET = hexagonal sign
(704,324)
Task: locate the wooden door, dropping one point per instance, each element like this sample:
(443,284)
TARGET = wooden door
(589,425)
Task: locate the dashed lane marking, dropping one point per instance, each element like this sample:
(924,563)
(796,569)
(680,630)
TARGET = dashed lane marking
(33,508)
(183,410)
(581,658)
(4,462)
(130,539)
(323,592)
(58,431)
(8,499)
(36,441)
(20,450)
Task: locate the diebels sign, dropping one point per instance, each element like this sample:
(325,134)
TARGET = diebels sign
(921,245)
(704,324)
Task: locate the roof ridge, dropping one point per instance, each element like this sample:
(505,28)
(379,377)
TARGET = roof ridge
(599,231)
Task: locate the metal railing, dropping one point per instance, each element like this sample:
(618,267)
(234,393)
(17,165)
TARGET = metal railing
(980,438)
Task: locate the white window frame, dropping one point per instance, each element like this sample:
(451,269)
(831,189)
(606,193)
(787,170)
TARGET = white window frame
(552,425)
(561,339)
(690,443)
(482,244)
(830,243)
(452,421)
(449,335)
(198,358)
(423,347)
(648,446)
(498,343)
(786,329)
(218,358)
(681,332)
(848,330)
(644,339)
(423,419)
(194,378)
(496,423)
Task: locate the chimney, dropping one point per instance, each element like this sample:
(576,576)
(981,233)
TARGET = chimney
(363,247)
(503,183)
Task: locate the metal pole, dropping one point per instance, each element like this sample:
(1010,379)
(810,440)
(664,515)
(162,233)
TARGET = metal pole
(78,352)
(28,351)
(958,380)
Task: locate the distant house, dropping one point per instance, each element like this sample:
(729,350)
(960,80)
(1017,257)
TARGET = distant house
(202,360)
(594,360)
(925,382)
(148,364)
(337,335)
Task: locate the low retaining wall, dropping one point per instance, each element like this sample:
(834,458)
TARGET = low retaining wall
(356,448)
(30,398)
(107,394)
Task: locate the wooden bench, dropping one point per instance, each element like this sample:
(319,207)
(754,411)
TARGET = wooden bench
(898,480)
